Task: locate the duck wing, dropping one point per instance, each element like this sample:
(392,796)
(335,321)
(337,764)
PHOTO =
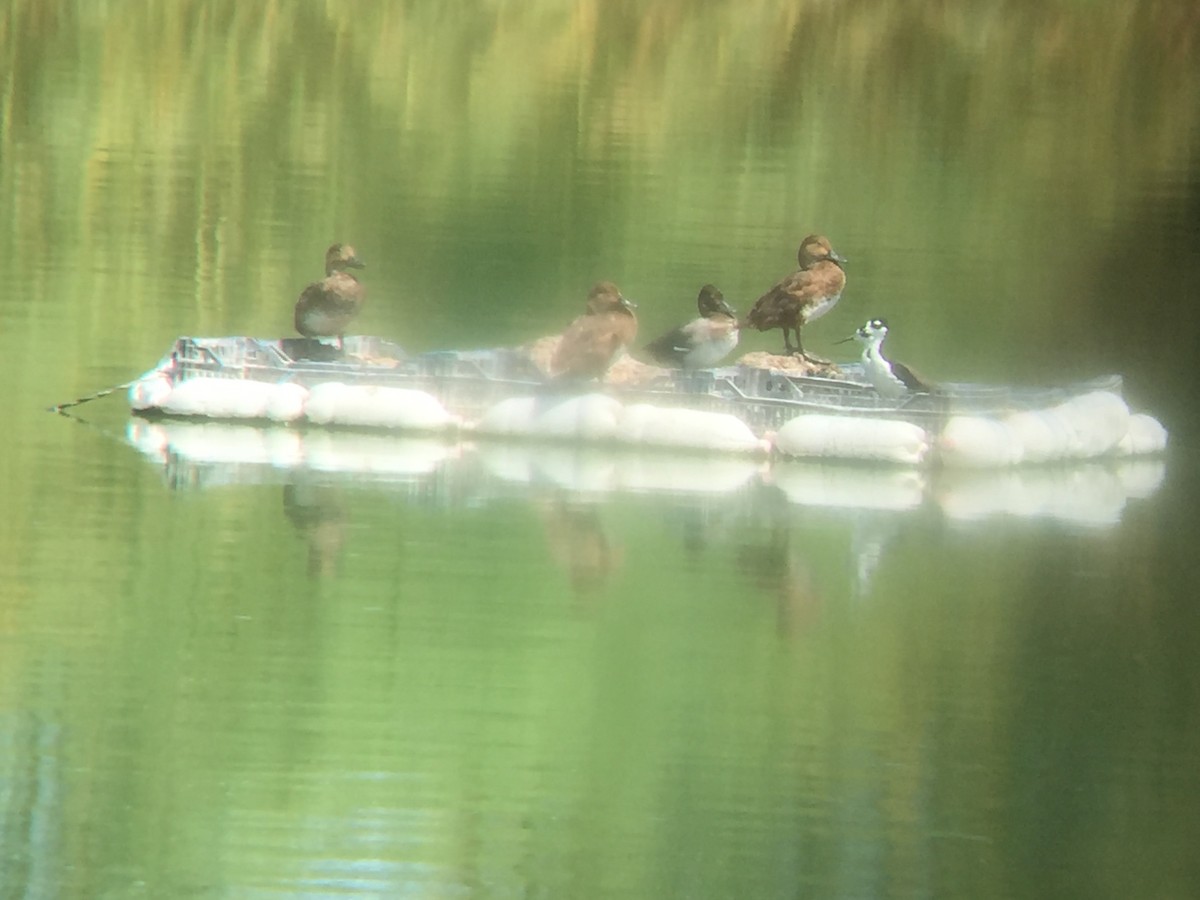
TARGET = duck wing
(781,304)
(673,347)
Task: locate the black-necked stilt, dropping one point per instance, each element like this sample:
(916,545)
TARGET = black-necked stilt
(890,379)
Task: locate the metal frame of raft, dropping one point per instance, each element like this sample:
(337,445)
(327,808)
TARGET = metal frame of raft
(373,383)
(468,381)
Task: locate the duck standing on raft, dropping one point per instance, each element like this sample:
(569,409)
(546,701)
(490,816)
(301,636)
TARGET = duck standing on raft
(595,340)
(806,294)
(326,307)
(702,342)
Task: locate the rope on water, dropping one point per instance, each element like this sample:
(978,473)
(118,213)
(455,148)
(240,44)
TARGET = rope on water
(90,397)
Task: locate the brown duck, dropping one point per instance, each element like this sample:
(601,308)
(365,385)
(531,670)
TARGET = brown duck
(326,307)
(806,294)
(595,340)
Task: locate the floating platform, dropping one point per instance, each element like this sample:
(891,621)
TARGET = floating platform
(372,383)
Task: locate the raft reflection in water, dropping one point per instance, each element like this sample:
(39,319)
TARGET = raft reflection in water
(777,525)
(196,454)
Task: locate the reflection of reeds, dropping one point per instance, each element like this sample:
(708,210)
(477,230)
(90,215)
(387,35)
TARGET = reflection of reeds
(198,152)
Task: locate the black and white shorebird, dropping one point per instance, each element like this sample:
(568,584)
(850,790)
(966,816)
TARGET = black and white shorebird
(891,380)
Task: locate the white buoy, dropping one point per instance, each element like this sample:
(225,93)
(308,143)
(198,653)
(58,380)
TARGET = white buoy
(1144,435)
(650,425)
(334,403)
(635,419)
(219,398)
(1097,422)
(587,417)
(1043,435)
(286,403)
(512,416)
(978,442)
(149,392)
(847,437)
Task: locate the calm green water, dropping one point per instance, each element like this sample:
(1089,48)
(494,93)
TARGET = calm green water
(409,669)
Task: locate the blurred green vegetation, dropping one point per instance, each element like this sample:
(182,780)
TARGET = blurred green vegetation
(492,159)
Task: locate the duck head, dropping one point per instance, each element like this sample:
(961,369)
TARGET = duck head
(605,297)
(340,257)
(712,301)
(816,248)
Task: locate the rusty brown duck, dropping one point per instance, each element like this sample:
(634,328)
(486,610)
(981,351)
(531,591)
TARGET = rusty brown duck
(806,294)
(326,307)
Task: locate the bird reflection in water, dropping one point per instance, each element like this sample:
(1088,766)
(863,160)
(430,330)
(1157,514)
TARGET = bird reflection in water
(579,543)
(757,523)
(769,559)
(319,516)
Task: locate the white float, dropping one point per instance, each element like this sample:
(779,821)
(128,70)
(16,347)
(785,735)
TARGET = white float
(335,403)
(978,442)
(666,426)
(1096,421)
(286,403)
(1042,435)
(149,392)
(1144,436)
(377,385)
(219,398)
(589,417)
(847,437)
(511,416)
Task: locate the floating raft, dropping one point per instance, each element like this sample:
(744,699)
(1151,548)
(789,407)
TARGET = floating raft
(374,384)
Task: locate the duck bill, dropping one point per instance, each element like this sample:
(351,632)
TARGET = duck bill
(627,303)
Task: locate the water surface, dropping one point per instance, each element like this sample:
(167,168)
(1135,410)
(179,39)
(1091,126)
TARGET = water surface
(385,668)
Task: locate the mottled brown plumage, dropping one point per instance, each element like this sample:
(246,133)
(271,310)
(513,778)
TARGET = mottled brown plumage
(806,294)
(326,307)
(702,342)
(595,340)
